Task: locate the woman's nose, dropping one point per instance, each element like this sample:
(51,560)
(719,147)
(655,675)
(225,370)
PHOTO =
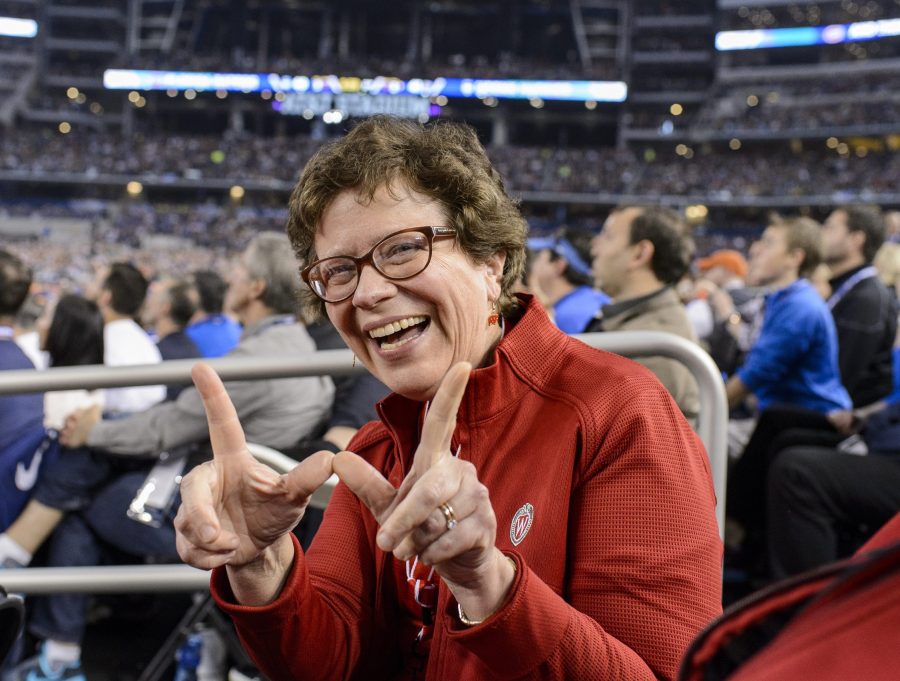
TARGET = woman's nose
(372,287)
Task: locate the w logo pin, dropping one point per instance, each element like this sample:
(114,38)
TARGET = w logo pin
(521,523)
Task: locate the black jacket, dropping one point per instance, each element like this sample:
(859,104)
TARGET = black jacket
(866,321)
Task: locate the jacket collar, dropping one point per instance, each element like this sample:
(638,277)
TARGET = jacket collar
(662,298)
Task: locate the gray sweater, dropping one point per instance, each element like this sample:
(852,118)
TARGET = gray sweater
(274,412)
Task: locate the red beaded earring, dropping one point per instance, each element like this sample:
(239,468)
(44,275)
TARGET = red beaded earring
(494,316)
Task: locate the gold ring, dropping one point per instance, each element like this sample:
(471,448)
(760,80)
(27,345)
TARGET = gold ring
(449,515)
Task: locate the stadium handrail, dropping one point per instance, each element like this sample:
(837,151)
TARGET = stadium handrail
(711,428)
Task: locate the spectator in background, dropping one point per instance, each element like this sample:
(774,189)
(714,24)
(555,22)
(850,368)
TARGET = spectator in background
(215,334)
(638,257)
(864,310)
(736,308)
(71,332)
(170,306)
(26,333)
(792,368)
(85,498)
(119,293)
(794,360)
(887,262)
(21,416)
(822,502)
(892,225)
(561,269)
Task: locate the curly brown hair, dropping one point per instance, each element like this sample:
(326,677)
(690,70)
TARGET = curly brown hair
(443,161)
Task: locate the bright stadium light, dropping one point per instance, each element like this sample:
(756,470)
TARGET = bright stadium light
(18,28)
(236,192)
(449,88)
(134,188)
(833,34)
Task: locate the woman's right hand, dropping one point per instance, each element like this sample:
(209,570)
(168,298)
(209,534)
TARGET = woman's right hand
(233,508)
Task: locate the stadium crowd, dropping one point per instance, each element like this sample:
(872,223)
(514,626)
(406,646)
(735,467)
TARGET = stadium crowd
(709,171)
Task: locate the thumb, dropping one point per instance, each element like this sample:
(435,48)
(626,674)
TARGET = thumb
(365,482)
(309,475)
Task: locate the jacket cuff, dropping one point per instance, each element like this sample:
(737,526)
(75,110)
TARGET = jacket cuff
(522,634)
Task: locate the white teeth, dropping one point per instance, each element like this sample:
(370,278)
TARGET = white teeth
(391,346)
(394,327)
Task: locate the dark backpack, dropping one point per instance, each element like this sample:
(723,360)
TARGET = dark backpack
(835,623)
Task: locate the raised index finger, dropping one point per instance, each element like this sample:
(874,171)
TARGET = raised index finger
(225,431)
(441,418)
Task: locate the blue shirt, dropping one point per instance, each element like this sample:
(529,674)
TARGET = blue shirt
(21,433)
(177,345)
(795,359)
(215,336)
(575,310)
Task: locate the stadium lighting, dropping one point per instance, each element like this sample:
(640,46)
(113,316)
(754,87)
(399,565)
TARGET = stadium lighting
(568,90)
(833,34)
(236,192)
(65,128)
(734,144)
(676,109)
(134,188)
(696,213)
(18,28)
(72,92)
(832,142)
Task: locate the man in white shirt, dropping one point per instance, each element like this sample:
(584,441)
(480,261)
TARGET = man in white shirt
(120,295)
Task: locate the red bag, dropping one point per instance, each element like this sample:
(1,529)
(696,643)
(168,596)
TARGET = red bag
(840,622)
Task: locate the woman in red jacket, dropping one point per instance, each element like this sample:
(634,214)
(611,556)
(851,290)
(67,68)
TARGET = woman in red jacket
(547,515)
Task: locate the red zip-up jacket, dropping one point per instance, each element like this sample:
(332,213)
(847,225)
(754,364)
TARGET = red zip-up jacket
(619,569)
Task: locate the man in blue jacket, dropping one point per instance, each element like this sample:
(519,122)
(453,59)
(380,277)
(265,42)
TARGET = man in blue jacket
(792,368)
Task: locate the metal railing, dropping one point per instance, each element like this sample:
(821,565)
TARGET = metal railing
(711,427)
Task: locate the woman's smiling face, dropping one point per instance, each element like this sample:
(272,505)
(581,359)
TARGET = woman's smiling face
(444,309)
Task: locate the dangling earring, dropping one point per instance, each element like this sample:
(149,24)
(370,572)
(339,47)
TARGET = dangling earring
(494,316)
(354,361)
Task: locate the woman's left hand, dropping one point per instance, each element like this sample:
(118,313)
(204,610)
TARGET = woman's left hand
(441,512)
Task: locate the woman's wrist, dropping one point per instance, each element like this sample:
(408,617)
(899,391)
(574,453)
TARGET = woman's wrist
(260,581)
(476,605)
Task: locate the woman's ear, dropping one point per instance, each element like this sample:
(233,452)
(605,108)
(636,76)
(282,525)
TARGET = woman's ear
(494,273)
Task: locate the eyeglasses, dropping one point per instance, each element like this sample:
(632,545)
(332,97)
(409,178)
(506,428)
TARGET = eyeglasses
(400,255)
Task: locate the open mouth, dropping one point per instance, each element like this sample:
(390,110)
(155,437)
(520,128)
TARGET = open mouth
(400,332)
